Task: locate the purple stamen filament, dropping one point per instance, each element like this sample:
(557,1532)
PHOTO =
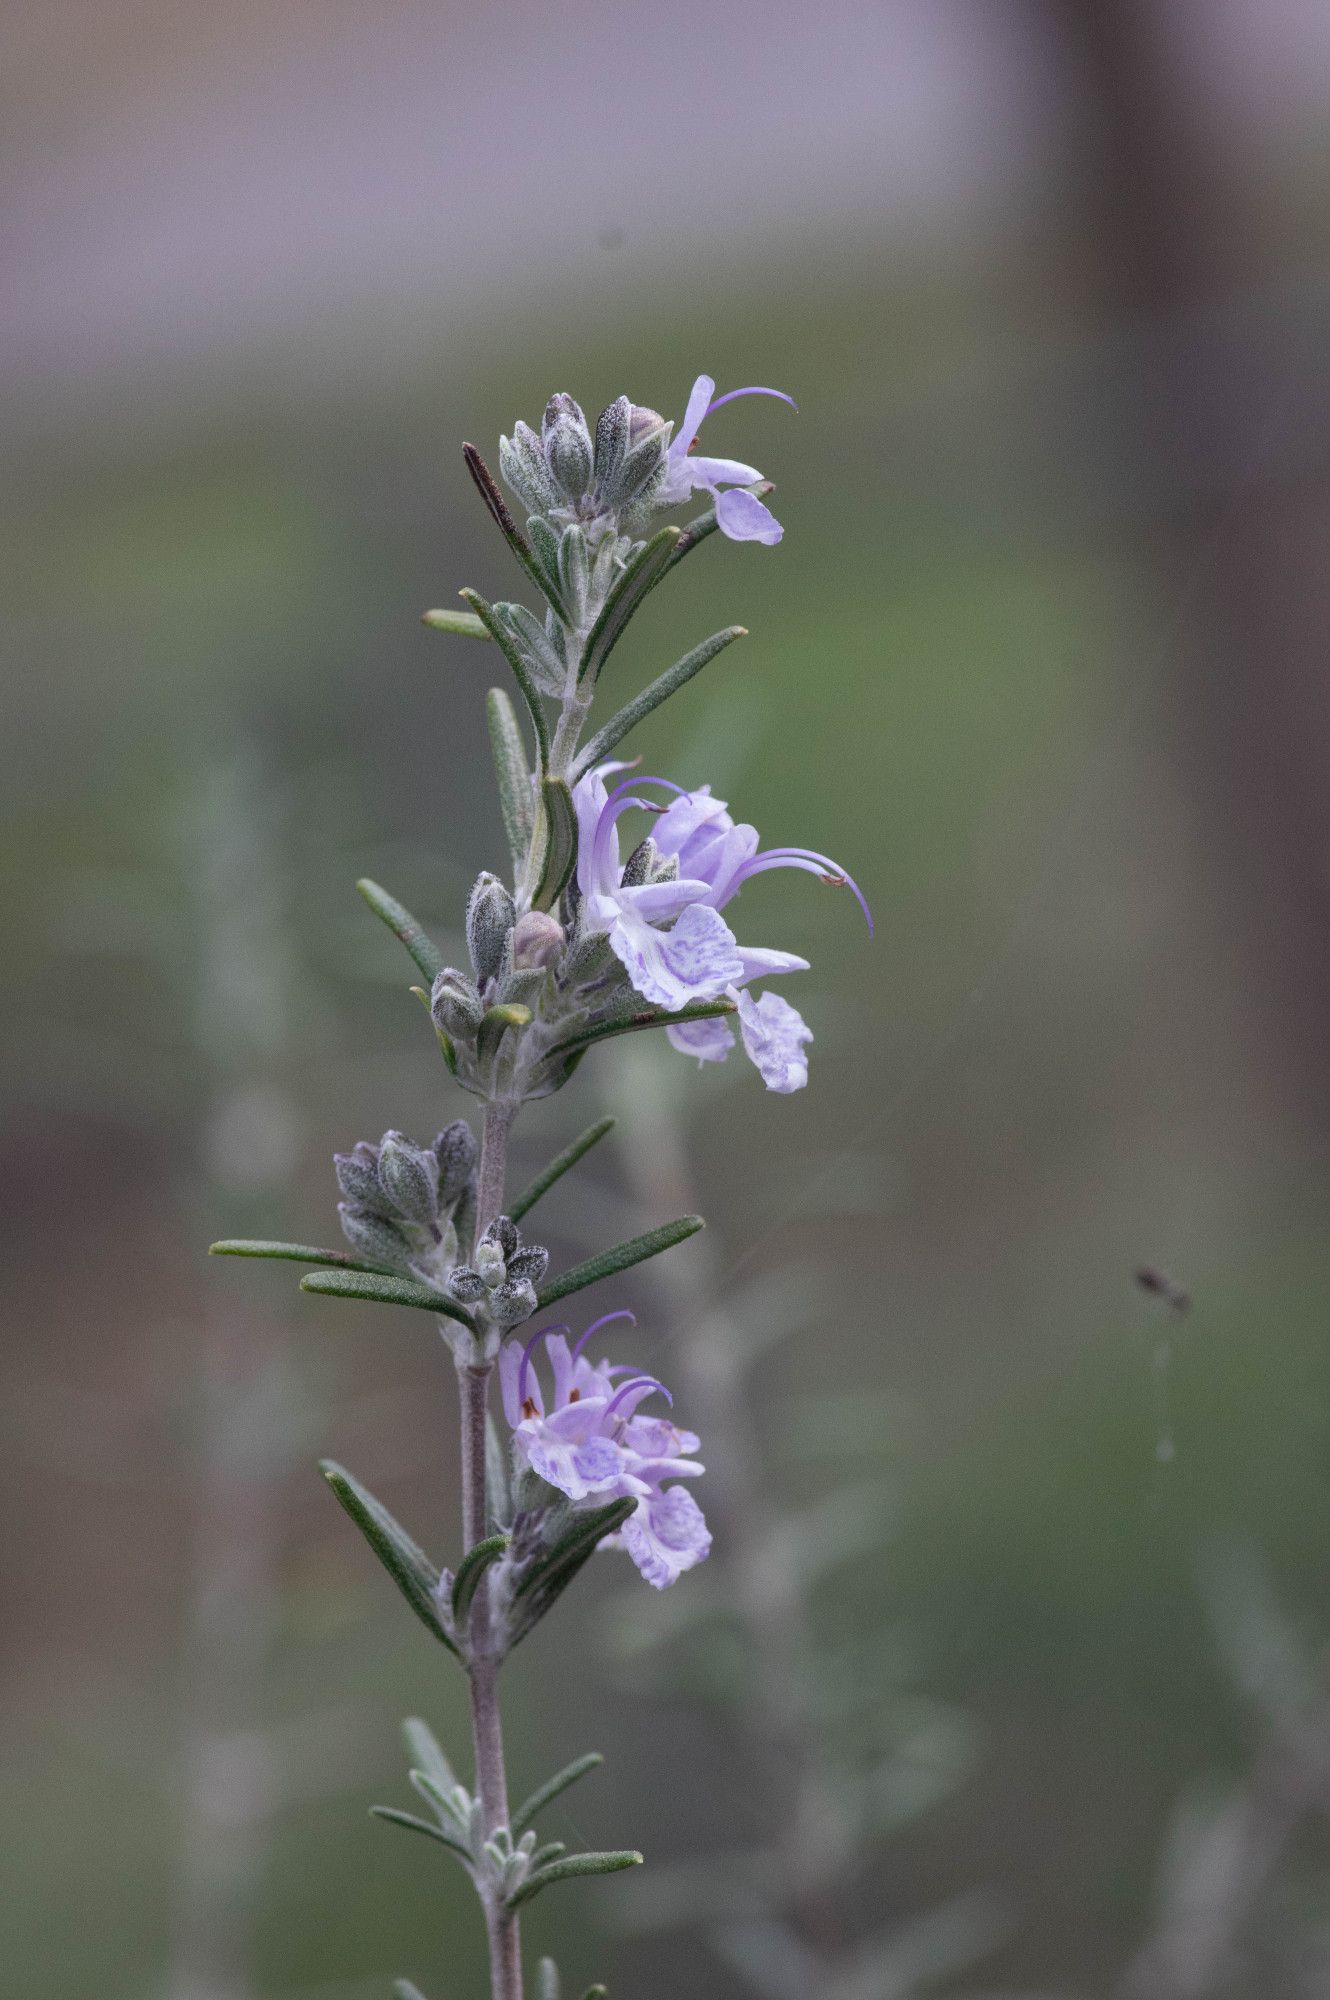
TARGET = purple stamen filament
(730,395)
(604,1320)
(618,802)
(524,1372)
(637,1382)
(811,864)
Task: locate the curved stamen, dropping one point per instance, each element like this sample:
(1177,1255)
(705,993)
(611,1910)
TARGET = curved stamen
(730,395)
(604,1320)
(647,1382)
(820,865)
(524,1372)
(619,801)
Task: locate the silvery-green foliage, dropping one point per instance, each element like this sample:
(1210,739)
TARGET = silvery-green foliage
(569,949)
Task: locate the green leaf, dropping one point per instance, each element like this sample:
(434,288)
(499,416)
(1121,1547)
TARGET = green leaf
(408,1566)
(384,1291)
(452,1818)
(404,926)
(295,1253)
(571,1866)
(414,1825)
(508,528)
(547,1980)
(494,1024)
(446,1048)
(642,1017)
(627,592)
(551,1575)
(531,1809)
(521,672)
(558,838)
(510,768)
(404,1990)
(549,1852)
(498,1488)
(666,684)
(469,1572)
(597,1993)
(425,1750)
(621,1258)
(559,1166)
(464,623)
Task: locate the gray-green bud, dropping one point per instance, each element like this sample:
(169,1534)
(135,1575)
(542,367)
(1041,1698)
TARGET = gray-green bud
(358,1178)
(410,1176)
(489,925)
(373,1239)
(455,1004)
(456,1151)
(567,442)
(513,1302)
(522,463)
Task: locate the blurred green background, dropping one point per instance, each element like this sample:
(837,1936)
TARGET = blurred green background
(1042,660)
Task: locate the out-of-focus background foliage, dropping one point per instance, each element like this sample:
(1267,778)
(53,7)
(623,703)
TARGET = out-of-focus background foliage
(1043,659)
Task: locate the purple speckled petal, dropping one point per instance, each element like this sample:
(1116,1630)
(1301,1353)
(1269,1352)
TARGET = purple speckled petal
(697,960)
(743,518)
(705,1041)
(666,1535)
(760,964)
(714,472)
(774,1034)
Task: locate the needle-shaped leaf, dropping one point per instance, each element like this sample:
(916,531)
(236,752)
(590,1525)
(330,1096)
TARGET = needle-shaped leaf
(557,834)
(531,1809)
(552,1573)
(295,1253)
(469,1572)
(414,1825)
(666,684)
(464,624)
(403,925)
(571,1866)
(559,1166)
(548,1985)
(621,1258)
(494,1024)
(384,1291)
(446,1049)
(404,1990)
(521,671)
(451,1803)
(641,1017)
(510,768)
(407,1564)
(508,528)
(425,1750)
(626,593)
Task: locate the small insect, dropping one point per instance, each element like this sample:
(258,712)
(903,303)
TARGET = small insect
(1161,1286)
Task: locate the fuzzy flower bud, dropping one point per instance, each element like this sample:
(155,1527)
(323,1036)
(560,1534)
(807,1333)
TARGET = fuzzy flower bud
(489,925)
(455,1004)
(358,1178)
(538,940)
(372,1238)
(410,1177)
(567,442)
(490,1262)
(456,1151)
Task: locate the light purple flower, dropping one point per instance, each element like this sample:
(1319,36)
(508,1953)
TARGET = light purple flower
(739,515)
(699,958)
(593,1445)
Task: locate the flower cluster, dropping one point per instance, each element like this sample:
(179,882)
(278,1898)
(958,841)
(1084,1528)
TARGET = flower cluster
(503,1274)
(407,1206)
(607,487)
(661,913)
(592,1444)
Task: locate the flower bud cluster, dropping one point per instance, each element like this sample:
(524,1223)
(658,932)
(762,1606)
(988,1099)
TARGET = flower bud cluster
(502,1277)
(604,486)
(404,1206)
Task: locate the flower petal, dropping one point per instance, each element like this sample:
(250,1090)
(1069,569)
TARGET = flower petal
(706,1041)
(697,960)
(743,518)
(774,1034)
(666,1535)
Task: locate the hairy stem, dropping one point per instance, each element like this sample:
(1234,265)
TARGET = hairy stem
(473,1375)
